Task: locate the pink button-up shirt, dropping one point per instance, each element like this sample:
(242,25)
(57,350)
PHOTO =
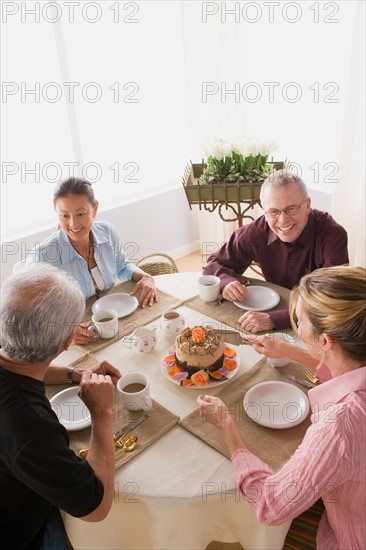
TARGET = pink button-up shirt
(329,463)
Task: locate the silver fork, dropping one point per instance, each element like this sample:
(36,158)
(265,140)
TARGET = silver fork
(311,377)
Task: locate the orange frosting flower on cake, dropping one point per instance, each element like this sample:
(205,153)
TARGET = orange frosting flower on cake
(198,335)
(200,378)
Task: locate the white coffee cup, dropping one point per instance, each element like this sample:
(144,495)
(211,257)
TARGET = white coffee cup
(142,340)
(208,288)
(106,323)
(171,322)
(134,390)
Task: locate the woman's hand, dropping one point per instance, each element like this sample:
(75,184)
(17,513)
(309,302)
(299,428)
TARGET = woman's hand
(104,367)
(213,410)
(271,345)
(82,335)
(149,293)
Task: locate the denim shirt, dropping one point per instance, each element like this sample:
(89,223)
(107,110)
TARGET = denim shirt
(108,254)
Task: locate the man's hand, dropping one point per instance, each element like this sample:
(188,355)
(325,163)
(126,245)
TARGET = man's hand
(235,291)
(255,321)
(149,293)
(97,392)
(104,367)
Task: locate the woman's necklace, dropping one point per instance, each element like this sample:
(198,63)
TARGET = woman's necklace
(89,261)
(88,255)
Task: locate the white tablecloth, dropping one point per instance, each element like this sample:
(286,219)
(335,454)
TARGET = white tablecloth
(179,493)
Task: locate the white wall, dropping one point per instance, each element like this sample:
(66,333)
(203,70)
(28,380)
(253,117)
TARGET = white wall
(160,223)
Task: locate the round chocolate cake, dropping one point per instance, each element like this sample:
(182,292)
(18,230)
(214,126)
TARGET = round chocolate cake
(199,348)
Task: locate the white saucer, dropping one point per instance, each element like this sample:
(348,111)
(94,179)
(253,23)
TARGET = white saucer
(123,303)
(276,405)
(70,409)
(260,298)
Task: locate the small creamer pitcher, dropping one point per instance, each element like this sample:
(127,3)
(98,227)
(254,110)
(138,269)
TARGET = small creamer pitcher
(142,340)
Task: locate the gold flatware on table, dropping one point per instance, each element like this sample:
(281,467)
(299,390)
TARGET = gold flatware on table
(120,436)
(125,443)
(310,376)
(128,445)
(119,441)
(83,453)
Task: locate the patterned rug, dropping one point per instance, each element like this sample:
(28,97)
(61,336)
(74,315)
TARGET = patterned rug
(302,533)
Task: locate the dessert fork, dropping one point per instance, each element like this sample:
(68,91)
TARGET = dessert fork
(310,376)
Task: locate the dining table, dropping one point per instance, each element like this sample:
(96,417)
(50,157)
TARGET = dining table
(177,490)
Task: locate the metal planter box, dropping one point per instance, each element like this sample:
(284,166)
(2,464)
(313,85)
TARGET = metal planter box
(211,196)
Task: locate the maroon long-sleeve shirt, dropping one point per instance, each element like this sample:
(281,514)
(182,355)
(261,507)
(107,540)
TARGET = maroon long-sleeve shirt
(323,243)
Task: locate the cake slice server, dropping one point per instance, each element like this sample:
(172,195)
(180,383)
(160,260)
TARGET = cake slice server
(232,337)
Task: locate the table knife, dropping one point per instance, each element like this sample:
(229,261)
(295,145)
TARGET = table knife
(131,425)
(301,381)
(232,337)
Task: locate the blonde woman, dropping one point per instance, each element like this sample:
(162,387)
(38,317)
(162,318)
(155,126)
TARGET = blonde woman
(328,311)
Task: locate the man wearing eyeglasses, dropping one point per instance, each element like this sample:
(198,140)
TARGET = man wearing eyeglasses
(288,241)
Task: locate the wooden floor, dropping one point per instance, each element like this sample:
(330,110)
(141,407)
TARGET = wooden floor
(197,262)
(192,262)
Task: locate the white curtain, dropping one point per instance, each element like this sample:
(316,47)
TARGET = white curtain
(349,194)
(306,68)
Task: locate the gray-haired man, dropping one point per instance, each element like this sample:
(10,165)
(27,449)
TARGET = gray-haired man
(39,474)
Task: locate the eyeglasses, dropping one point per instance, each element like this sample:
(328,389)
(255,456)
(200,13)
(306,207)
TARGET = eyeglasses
(289,211)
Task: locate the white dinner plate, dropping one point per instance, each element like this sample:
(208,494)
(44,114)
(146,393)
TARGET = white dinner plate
(276,405)
(70,409)
(123,303)
(260,298)
(211,381)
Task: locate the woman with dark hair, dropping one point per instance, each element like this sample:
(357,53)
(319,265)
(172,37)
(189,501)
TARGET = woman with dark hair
(90,251)
(328,310)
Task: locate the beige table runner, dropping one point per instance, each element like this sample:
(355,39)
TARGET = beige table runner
(161,420)
(126,325)
(228,313)
(272,446)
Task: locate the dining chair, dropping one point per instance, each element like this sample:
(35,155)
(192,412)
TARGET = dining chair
(254,266)
(303,529)
(157,267)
